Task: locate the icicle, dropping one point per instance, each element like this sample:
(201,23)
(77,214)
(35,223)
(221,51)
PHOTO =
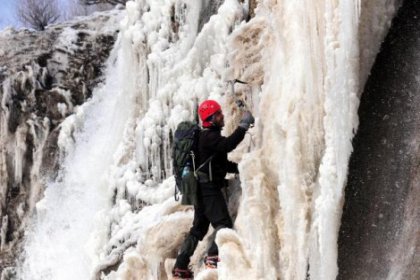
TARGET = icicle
(39,134)
(3,231)
(20,149)
(4,178)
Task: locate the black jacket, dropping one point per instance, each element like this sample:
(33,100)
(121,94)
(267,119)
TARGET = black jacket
(211,142)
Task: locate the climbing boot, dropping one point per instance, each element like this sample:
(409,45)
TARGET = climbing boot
(178,273)
(211,261)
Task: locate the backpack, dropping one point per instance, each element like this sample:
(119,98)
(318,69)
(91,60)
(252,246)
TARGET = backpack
(184,161)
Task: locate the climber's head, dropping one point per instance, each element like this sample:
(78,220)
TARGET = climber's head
(211,114)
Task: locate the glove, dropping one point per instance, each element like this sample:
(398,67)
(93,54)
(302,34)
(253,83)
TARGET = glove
(247,120)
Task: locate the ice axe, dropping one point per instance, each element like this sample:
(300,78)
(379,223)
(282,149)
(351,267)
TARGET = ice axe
(233,82)
(241,104)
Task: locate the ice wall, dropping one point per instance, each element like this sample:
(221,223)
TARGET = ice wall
(112,215)
(293,184)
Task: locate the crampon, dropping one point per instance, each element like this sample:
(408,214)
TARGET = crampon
(178,273)
(211,261)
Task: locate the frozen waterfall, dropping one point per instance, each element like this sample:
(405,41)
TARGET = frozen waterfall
(111,214)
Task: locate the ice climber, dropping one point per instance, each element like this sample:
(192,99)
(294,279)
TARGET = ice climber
(211,207)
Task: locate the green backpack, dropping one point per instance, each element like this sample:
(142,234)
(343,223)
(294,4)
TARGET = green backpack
(184,161)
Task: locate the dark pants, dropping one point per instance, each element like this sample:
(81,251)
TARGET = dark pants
(210,209)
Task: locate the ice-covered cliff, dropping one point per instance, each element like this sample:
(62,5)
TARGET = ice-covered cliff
(109,213)
(44,77)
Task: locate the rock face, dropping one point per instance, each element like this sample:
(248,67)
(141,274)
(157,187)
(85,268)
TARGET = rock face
(44,76)
(379,233)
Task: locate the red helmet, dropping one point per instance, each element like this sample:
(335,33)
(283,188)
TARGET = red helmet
(207,109)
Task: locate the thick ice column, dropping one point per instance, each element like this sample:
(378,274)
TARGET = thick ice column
(340,121)
(3,179)
(307,116)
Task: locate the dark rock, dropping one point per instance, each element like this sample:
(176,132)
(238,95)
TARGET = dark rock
(379,232)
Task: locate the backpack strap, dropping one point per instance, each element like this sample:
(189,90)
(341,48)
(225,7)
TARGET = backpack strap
(203,164)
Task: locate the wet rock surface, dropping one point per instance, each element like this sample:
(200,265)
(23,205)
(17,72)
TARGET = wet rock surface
(44,76)
(379,232)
